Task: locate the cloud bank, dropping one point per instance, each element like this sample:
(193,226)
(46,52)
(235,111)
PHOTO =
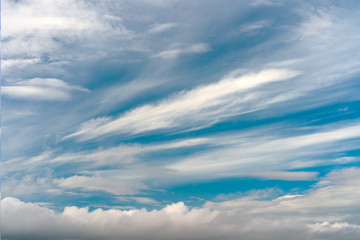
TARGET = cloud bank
(308,216)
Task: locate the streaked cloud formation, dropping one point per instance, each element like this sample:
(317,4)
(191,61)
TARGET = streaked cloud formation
(200,106)
(41,89)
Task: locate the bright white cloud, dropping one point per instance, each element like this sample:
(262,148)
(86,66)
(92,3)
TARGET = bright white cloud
(201,106)
(258,154)
(8,63)
(40,28)
(41,89)
(309,216)
(248,153)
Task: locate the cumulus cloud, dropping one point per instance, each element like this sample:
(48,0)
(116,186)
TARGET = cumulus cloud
(41,89)
(308,216)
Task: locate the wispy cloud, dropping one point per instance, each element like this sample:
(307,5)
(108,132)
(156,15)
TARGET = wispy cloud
(117,186)
(266,153)
(161,27)
(175,52)
(257,3)
(254,26)
(262,154)
(163,116)
(41,89)
(201,106)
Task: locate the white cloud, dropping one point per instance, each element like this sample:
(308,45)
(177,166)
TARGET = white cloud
(257,3)
(283,175)
(41,89)
(244,154)
(44,30)
(334,227)
(262,153)
(116,185)
(178,51)
(28,17)
(201,106)
(8,63)
(161,27)
(308,216)
(254,26)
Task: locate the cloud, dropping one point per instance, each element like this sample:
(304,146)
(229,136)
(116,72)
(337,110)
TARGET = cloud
(309,216)
(264,154)
(244,154)
(257,3)
(141,200)
(178,51)
(324,42)
(254,26)
(62,31)
(283,175)
(116,185)
(161,27)
(199,107)
(50,89)
(8,63)
(333,227)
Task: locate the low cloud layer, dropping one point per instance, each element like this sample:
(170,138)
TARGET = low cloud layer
(322,213)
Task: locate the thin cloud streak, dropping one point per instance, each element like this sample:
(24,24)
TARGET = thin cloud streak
(202,105)
(50,89)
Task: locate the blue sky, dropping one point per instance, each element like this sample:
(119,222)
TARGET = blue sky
(155,119)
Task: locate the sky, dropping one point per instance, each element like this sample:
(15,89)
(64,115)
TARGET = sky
(169,119)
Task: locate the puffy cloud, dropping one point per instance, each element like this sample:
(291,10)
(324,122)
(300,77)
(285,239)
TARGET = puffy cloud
(308,216)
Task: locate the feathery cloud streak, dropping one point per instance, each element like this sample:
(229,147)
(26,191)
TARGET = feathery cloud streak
(41,89)
(201,106)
